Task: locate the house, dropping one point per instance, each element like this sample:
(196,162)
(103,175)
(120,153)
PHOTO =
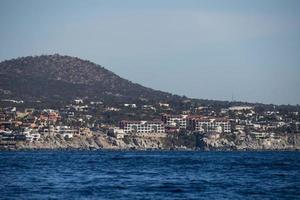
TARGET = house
(224,110)
(116,132)
(35,136)
(186,112)
(6,135)
(80,108)
(164,105)
(240,108)
(31,134)
(47,130)
(78,101)
(130,105)
(148,107)
(64,131)
(259,134)
(96,102)
(85,131)
(13,101)
(112,109)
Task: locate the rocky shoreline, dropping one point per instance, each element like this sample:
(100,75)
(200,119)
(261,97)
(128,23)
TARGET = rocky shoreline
(157,142)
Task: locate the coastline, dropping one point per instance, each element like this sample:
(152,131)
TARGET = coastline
(138,143)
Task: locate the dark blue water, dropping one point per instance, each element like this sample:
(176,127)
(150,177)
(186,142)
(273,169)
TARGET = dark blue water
(149,175)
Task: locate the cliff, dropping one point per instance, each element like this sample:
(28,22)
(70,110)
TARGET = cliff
(159,142)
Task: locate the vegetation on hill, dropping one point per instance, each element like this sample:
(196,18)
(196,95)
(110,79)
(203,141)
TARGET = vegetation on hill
(56,77)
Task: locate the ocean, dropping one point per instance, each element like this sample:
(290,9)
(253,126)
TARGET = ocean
(149,175)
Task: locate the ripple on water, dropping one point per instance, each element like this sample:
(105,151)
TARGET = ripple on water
(149,175)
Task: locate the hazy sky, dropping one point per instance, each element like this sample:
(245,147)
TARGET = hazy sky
(206,49)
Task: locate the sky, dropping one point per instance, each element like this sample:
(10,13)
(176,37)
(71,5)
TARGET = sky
(242,50)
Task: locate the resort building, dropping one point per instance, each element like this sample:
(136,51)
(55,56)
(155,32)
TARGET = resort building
(209,124)
(179,121)
(142,126)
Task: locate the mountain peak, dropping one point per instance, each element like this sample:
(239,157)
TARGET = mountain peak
(66,77)
(57,67)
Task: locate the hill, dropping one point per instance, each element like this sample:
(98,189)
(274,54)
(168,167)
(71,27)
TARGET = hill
(63,78)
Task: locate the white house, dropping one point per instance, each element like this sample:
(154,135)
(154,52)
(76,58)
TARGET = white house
(64,131)
(116,132)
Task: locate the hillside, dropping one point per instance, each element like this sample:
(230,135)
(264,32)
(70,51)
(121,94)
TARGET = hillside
(56,77)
